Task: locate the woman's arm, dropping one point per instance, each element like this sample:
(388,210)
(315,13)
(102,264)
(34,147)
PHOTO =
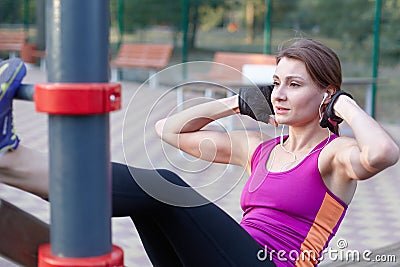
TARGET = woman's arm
(184,131)
(373,149)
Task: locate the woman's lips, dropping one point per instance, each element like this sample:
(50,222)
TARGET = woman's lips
(281,110)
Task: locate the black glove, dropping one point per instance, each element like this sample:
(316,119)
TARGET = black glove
(329,118)
(256,102)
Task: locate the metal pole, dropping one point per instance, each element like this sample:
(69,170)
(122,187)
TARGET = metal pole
(80,169)
(185,26)
(40,25)
(267,28)
(375,57)
(120,16)
(25,92)
(185,22)
(26,15)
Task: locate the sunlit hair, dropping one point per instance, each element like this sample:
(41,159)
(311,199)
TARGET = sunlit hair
(322,63)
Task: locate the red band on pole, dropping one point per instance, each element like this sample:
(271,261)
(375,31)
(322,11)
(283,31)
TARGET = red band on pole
(77,98)
(113,259)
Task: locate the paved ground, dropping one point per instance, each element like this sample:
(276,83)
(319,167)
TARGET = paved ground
(372,222)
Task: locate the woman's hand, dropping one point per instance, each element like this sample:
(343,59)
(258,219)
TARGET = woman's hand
(330,119)
(256,102)
(341,99)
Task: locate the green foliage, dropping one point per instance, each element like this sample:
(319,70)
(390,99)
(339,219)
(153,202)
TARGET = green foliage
(346,23)
(211,17)
(351,20)
(11,11)
(390,37)
(285,13)
(144,13)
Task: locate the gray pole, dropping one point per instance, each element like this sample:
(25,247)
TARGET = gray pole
(267,27)
(375,56)
(80,169)
(40,25)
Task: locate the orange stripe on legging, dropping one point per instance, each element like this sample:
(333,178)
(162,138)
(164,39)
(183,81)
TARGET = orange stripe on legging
(327,218)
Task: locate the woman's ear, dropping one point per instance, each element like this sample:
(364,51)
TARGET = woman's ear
(330,91)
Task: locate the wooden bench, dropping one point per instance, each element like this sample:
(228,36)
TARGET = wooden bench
(236,61)
(152,57)
(30,54)
(21,235)
(230,70)
(12,41)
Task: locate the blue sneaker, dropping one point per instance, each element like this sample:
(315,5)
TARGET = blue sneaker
(12,72)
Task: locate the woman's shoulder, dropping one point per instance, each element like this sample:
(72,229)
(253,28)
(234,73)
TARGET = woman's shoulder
(260,144)
(336,148)
(252,137)
(256,138)
(339,143)
(250,140)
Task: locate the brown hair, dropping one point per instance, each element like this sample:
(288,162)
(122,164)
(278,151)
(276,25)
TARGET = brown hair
(322,63)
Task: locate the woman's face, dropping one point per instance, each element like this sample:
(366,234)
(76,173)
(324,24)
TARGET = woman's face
(296,98)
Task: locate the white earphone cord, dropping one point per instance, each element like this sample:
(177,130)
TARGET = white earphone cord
(294,155)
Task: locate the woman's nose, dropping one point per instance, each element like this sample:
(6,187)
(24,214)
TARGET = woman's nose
(278,93)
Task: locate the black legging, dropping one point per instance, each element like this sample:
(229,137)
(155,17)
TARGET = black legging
(181,236)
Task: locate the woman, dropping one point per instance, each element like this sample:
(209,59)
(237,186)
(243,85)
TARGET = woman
(299,186)
(299,190)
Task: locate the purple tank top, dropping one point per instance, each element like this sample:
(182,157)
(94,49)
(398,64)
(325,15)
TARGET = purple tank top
(291,214)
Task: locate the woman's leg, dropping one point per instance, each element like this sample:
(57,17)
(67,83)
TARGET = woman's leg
(181,236)
(129,200)
(158,248)
(172,236)
(26,169)
(19,166)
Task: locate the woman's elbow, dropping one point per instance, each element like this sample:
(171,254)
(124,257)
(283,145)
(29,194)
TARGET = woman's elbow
(388,156)
(395,154)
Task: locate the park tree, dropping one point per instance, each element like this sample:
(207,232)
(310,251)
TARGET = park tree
(11,11)
(203,12)
(390,34)
(140,14)
(349,22)
(352,23)
(254,11)
(285,13)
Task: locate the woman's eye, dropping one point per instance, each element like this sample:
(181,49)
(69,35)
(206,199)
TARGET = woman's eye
(276,84)
(294,84)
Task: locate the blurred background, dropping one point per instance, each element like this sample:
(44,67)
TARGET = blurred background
(364,33)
